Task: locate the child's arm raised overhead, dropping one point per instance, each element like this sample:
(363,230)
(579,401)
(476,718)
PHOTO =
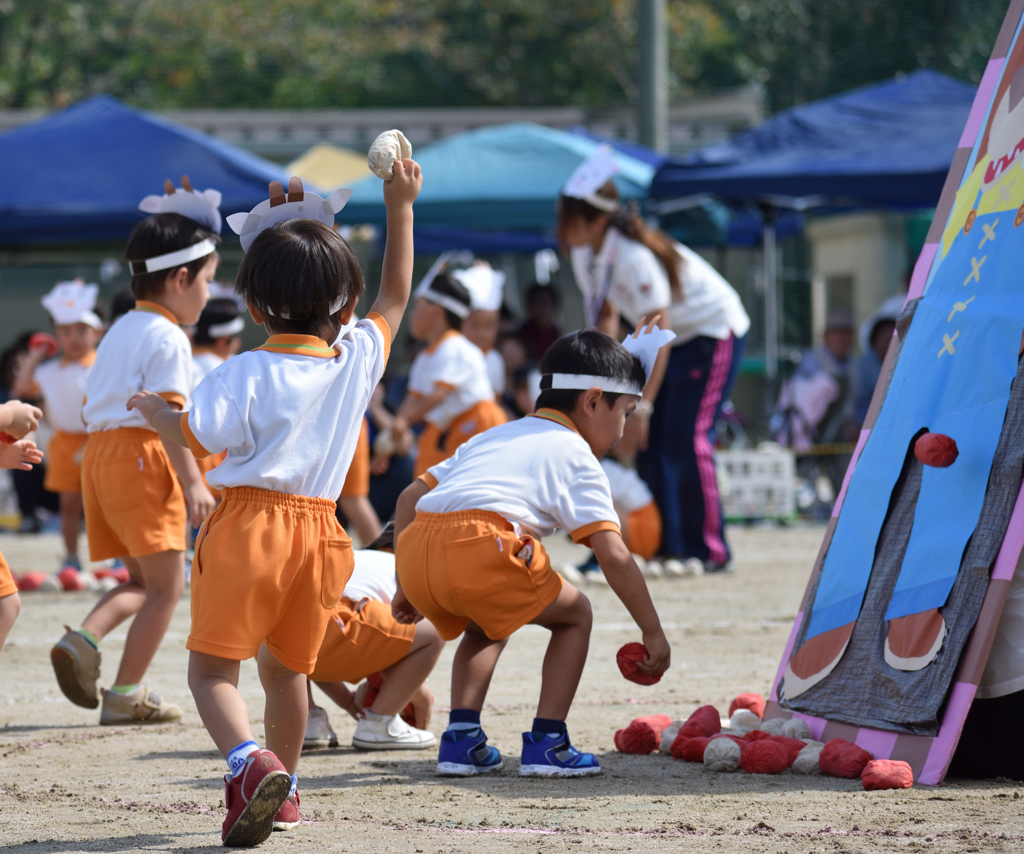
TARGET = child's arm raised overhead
(396,276)
(625,579)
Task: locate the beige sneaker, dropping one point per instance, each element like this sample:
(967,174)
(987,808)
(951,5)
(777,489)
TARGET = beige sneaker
(141,706)
(77,667)
(318,730)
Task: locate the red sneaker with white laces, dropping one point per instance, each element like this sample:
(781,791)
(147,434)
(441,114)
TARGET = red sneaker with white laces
(253,798)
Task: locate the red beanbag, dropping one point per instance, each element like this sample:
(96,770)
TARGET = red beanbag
(842,758)
(44,341)
(705,721)
(70,579)
(936,450)
(756,735)
(754,702)
(692,749)
(764,757)
(734,738)
(887,774)
(31,581)
(121,574)
(643,735)
(628,657)
(792,746)
(376,681)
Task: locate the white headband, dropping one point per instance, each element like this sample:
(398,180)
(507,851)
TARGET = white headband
(602,203)
(173,259)
(582,382)
(590,176)
(457,308)
(223,330)
(201,207)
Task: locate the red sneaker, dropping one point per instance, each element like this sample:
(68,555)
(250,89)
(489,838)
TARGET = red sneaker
(288,816)
(252,798)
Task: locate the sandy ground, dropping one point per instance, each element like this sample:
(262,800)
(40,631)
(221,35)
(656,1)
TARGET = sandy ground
(68,785)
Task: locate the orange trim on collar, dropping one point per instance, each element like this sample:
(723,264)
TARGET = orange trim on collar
(556,416)
(448,334)
(299,345)
(86,361)
(154,308)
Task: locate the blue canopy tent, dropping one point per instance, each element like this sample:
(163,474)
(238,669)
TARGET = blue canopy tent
(80,174)
(889,145)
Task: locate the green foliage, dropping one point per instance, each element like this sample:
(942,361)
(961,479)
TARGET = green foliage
(375,53)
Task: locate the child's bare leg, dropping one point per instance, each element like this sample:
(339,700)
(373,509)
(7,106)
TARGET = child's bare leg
(286,710)
(214,685)
(163,577)
(70,520)
(569,619)
(341,695)
(117,605)
(404,678)
(10,607)
(473,667)
(361,516)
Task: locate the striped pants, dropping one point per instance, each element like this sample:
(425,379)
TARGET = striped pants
(679,463)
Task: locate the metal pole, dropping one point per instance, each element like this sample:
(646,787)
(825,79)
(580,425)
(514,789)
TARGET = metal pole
(652,56)
(771,309)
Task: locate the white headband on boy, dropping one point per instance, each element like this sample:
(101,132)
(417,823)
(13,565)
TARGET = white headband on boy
(297,204)
(460,310)
(202,207)
(644,345)
(73,302)
(177,258)
(223,330)
(590,176)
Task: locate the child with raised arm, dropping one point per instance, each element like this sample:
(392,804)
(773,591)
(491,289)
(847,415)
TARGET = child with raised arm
(272,562)
(470,560)
(17,420)
(138,491)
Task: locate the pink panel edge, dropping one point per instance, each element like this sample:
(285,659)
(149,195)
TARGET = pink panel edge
(816,725)
(785,656)
(1013,543)
(941,751)
(981,102)
(879,743)
(921,269)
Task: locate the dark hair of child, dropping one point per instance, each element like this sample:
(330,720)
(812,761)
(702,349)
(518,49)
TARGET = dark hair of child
(159,235)
(536,290)
(449,287)
(386,541)
(300,268)
(626,219)
(121,303)
(587,351)
(215,312)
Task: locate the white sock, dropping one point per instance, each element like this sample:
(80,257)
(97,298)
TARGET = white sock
(237,756)
(374,717)
(295,785)
(462,726)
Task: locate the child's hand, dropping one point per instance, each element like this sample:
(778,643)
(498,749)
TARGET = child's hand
(402,609)
(405,186)
(24,418)
(659,655)
(21,455)
(423,706)
(200,503)
(147,403)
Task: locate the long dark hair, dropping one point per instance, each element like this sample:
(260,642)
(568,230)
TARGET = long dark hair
(626,219)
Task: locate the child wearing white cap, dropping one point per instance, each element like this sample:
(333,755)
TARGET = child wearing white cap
(486,289)
(60,382)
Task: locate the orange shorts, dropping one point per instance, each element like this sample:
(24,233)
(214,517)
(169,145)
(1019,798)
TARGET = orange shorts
(357,481)
(458,568)
(7,583)
(208,464)
(269,568)
(133,501)
(643,531)
(436,445)
(64,462)
(370,641)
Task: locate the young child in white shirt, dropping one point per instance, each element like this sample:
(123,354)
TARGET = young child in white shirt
(448,385)
(61,384)
(486,289)
(271,563)
(470,560)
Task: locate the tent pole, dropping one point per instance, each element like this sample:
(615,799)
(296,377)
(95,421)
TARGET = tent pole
(771,308)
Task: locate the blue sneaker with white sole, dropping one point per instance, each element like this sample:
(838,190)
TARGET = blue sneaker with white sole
(465,753)
(553,756)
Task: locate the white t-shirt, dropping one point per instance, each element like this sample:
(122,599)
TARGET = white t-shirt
(373,577)
(495,371)
(289,412)
(629,492)
(454,363)
(202,364)
(144,349)
(637,285)
(62,385)
(537,472)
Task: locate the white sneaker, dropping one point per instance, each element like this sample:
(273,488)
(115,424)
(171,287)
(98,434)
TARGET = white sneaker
(674,568)
(318,730)
(652,569)
(693,566)
(571,574)
(379,732)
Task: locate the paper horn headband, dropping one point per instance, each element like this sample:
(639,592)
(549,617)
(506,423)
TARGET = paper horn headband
(485,285)
(297,204)
(202,207)
(592,174)
(644,344)
(73,302)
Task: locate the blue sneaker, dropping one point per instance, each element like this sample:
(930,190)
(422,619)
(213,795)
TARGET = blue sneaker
(554,756)
(465,753)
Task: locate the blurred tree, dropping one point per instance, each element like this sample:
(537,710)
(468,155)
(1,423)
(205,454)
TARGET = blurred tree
(361,53)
